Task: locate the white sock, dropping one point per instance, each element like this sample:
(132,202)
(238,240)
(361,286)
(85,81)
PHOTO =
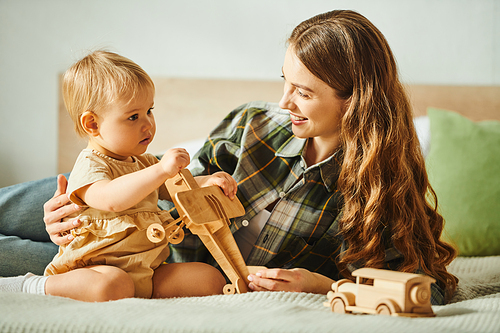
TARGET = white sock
(34,284)
(29,283)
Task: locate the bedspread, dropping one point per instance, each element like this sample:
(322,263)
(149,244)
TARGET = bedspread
(475,307)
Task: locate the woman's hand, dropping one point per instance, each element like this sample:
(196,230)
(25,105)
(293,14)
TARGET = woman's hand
(55,210)
(222,179)
(296,279)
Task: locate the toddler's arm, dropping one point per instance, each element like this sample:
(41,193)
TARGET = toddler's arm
(222,179)
(124,192)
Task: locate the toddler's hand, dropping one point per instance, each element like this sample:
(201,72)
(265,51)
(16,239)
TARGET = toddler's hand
(221,179)
(174,160)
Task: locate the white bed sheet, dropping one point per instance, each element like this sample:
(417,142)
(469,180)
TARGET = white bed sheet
(475,308)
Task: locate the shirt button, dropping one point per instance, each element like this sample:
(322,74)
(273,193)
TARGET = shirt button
(244,223)
(282,195)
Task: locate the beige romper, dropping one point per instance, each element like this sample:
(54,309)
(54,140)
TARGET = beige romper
(115,239)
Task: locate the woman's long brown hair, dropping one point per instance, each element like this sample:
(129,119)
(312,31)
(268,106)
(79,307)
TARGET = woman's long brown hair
(383,178)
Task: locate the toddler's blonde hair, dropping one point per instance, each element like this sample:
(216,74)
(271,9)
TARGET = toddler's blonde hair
(100,79)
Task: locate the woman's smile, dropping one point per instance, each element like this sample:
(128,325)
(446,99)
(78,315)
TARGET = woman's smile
(296,120)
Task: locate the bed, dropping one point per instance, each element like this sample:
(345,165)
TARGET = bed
(460,145)
(475,308)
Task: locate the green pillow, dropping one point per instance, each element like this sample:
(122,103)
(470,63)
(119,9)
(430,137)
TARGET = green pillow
(464,169)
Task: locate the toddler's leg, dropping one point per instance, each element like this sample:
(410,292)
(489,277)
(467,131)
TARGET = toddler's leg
(29,283)
(92,284)
(187,279)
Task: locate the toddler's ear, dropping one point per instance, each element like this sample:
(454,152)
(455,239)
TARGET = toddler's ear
(88,120)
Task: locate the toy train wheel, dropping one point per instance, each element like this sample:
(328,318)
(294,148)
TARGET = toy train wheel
(383,309)
(338,305)
(387,307)
(229,289)
(420,295)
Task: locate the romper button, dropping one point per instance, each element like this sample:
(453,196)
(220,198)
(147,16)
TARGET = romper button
(245,223)
(282,195)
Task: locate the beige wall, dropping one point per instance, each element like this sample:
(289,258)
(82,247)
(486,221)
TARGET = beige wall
(435,42)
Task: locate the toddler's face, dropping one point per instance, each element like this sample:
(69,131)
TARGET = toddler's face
(126,129)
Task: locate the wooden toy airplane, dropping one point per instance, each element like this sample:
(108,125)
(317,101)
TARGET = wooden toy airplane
(206,212)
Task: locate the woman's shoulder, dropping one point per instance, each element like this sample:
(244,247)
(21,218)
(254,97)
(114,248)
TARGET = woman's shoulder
(256,115)
(259,113)
(262,108)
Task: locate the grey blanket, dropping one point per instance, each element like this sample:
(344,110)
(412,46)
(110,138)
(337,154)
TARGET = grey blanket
(475,308)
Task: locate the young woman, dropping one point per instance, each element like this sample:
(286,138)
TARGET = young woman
(333,179)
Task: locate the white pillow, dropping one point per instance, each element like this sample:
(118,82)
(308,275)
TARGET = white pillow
(192,147)
(423,128)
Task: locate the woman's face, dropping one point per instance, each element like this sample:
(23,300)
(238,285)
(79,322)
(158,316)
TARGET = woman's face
(315,110)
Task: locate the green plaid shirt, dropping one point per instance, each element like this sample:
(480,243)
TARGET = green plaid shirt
(256,145)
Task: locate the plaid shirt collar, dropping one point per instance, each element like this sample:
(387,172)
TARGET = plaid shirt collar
(329,168)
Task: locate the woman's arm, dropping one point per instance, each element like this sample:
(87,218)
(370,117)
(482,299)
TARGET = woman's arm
(221,150)
(296,279)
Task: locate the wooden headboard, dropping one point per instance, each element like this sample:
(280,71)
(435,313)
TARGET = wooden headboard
(187,109)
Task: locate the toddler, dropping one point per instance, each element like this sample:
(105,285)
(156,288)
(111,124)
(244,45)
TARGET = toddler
(117,184)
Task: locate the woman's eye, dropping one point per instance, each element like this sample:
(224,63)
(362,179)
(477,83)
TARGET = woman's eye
(301,94)
(150,111)
(134,117)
